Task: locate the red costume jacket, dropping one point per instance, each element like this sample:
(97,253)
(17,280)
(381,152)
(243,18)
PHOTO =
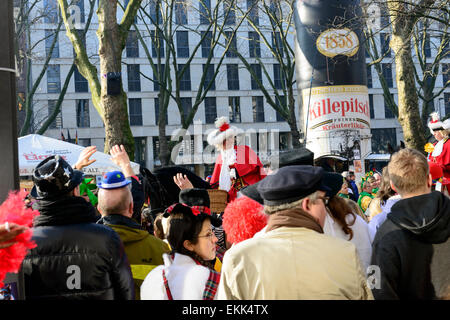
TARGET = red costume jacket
(248,167)
(444,159)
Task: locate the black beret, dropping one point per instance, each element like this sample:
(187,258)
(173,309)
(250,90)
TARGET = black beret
(334,181)
(290,184)
(252,192)
(194,197)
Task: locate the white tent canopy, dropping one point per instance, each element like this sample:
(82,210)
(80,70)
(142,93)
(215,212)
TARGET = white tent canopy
(34,148)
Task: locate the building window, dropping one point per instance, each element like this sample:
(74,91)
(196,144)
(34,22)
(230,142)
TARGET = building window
(180,12)
(132,44)
(278,79)
(155,11)
(277,43)
(387,73)
(427,47)
(372,110)
(381,138)
(157,44)
(385,48)
(369,76)
(81,84)
(49,38)
(233,76)
(51,11)
(256,68)
(258,109)
(388,114)
(284,140)
(82,113)
(206,44)
(157,112)
(209,76)
(80,4)
(252,5)
(281,101)
(447,103)
(234,108)
(210,109)
(53,79)
(140,150)
(232,49)
(82,36)
(229,11)
(182,44)
(445,73)
(135,112)
(186,106)
(185,80)
(156,81)
(204,9)
(85,142)
(57,123)
(254,45)
(134,77)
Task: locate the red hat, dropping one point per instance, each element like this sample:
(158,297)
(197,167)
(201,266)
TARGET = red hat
(435,123)
(223,131)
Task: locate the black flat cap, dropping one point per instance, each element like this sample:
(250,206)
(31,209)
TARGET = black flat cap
(290,184)
(251,191)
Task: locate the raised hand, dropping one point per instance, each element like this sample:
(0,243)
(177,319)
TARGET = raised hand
(120,157)
(83,159)
(182,181)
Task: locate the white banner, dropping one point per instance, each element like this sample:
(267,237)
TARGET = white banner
(337,118)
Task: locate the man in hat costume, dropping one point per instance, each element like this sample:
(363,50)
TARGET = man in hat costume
(304,263)
(115,204)
(74,258)
(237,166)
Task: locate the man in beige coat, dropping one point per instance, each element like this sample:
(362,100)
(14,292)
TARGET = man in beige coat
(293,259)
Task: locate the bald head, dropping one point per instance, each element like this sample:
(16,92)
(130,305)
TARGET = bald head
(115,201)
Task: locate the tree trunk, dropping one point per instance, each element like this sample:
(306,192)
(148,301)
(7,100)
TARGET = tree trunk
(408,104)
(115,116)
(164,152)
(292,121)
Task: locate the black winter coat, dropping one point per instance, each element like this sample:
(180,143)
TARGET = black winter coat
(412,249)
(75,258)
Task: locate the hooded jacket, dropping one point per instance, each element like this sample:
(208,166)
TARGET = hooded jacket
(412,249)
(143,250)
(75,258)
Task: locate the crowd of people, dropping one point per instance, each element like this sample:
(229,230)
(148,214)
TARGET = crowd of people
(299,232)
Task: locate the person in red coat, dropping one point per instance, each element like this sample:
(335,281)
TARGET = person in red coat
(242,165)
(441,150)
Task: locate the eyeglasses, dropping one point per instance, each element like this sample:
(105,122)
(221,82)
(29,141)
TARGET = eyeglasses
(325,200)
(209,235)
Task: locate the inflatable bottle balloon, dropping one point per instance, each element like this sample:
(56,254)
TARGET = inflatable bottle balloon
(332,80)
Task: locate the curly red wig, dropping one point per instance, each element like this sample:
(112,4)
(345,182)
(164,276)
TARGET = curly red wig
(13,210)
(243,218)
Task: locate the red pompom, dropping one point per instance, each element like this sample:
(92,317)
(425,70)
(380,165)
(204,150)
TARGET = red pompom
(243,218)
(224,127)
(13,210)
